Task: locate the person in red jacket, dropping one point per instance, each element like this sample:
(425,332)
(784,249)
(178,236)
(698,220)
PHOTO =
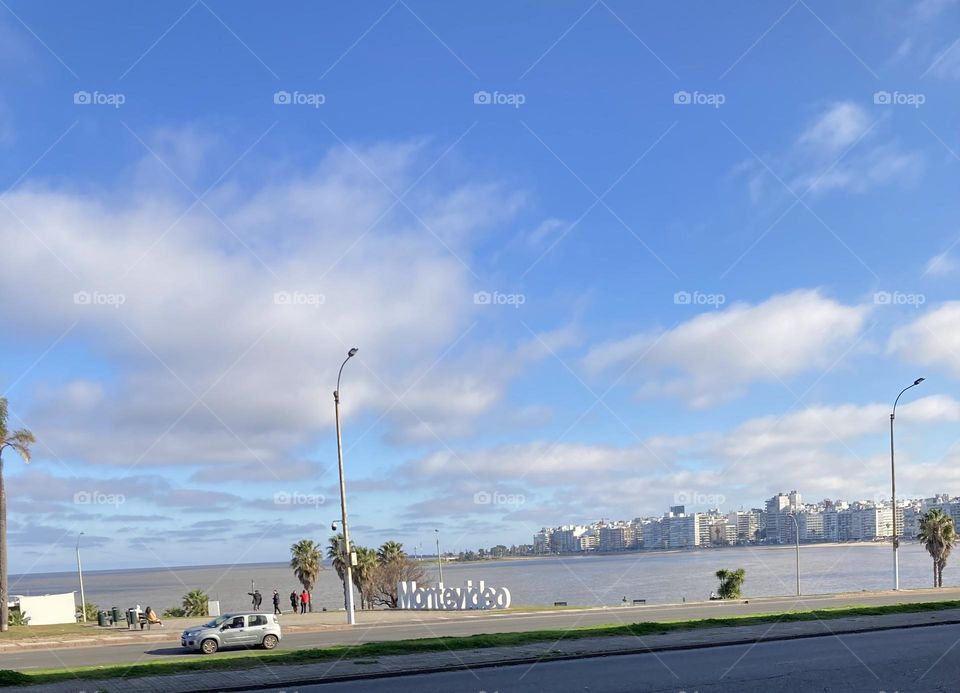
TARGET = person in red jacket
(304,601)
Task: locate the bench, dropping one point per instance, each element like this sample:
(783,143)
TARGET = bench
(639,601)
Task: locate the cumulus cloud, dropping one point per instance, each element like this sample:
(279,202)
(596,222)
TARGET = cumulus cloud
(933,339)
(222,325)
(716,355)
(825,450)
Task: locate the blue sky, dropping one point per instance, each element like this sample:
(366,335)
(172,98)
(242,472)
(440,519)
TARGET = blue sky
(207,203)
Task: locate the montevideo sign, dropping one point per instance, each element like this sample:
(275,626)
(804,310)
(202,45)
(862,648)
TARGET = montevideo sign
(470,596)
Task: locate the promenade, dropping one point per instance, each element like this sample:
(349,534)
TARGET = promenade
(266,677)
(117,646)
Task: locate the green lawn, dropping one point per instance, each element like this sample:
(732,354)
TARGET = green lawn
(368,651)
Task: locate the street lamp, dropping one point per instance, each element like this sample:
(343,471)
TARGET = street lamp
(439,560)
(796,525)
(893,489)
(348,572)
(83,601)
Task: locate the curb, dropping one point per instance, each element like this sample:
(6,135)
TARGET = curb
(343,678)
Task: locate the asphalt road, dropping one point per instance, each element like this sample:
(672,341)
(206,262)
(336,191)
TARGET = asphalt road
(379,626)
(918,659)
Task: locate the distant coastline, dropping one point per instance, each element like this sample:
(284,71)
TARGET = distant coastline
(660,552)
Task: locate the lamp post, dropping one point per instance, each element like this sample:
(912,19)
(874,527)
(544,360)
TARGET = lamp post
(439,559)
(796,535)
(347,571)
(83,601)
(893,490)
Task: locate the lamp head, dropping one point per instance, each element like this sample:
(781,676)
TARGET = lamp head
(352,352)
(918,381)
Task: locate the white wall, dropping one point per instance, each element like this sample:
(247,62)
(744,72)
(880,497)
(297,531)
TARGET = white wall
(48,609)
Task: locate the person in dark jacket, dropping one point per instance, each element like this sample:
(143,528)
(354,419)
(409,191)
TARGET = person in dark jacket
(276,602)
(257,599)
(294,600)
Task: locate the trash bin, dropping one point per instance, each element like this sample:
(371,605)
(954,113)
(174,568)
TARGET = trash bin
(102,618)
(115,613)
(131,618)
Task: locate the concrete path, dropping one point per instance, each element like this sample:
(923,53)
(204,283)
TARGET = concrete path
(271,677)
(392,625)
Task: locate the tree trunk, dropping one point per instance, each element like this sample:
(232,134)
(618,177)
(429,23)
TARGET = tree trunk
(310,601)
(934,572)
(4,597)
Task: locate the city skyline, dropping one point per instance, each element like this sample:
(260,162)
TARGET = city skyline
(593,255)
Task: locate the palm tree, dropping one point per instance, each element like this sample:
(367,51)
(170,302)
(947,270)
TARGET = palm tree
(305,557)
(390,551)
(939,537)
(337,557)
(20,442)
(196,603)
(365,574)
(730,582)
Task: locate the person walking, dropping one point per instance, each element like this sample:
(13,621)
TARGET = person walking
(304,601)
(276,602)
(294,600)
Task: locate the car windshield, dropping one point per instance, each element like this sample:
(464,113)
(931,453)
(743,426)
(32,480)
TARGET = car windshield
(218,621)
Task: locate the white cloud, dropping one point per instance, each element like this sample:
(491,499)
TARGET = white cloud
(835,129)
(199,315)
(841,149)
(716,355)
(933,339)
(942,265)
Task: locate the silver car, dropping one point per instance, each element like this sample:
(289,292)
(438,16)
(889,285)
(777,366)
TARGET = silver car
(245,629)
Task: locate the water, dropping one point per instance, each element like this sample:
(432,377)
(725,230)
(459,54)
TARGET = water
(658,577)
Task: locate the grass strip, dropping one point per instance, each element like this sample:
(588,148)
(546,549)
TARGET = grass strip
(246,659)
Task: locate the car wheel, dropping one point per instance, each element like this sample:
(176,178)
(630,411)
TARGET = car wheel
(269,642)
(209,646)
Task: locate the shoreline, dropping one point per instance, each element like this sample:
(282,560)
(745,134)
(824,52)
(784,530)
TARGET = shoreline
(660,552)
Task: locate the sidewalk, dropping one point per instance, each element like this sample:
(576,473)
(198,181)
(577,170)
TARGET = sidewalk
(293,675)
(324,621)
